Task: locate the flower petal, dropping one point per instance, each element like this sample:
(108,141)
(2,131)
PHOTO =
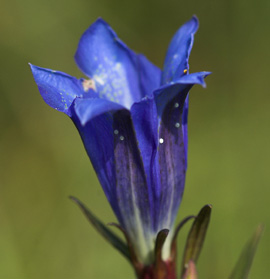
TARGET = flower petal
(185,126)
(115,68)
(131,185)
(89,108)
(176,61)
(97,136)
(171,158)
(150,75)
(111,144)
(93,118)
(168,91)
(56,88)
(145,122)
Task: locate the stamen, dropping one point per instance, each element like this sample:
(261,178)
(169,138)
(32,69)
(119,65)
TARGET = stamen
(88,84)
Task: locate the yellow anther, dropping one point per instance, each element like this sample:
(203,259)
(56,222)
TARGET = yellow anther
(88,84)
(185,71)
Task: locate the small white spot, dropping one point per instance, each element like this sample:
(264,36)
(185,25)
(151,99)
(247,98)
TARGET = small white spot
(177,125)
(116,132)
(121,138)
(117,66)
(98,79)
(161,140)
(176,105)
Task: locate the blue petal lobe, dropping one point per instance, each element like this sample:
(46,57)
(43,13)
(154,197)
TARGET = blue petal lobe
(145,122)
(150,75)
(56,88)
(171,160)
(110,141)
(115,69)
(176,61)
(97,136)
(86,109)
(168,91)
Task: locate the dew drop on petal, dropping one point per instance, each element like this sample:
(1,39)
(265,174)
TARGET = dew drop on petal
(161,140)
(177,125)
(116,132)
(121,138)
(176,105)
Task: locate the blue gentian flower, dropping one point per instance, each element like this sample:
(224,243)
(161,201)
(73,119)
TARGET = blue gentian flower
(132,118)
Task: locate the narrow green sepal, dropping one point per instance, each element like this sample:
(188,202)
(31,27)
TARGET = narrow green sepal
(196,237)
(176,232)
(160,267)
(242,268)
(191,271)
(110,236)
(161,237)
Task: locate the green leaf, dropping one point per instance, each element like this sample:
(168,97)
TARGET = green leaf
(242,268)
(196,237)
(104,230)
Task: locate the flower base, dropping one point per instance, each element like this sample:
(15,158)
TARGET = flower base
(164,270)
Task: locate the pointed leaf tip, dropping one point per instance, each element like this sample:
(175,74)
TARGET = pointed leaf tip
(196,237)
(242,268)
(111,237)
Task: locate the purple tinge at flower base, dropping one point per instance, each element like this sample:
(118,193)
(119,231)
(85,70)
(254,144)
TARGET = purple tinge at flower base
(132,118)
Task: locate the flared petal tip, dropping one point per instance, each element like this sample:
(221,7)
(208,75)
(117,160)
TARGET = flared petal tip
(93,29)
(195,20)
(33,68)
(87,109)
(205,75)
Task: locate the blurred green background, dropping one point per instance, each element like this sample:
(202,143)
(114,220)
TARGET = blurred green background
(42,233)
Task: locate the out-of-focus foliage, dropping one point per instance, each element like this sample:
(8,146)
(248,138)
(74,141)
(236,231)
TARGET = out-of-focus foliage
(243,265)
(42,233)
(195,239)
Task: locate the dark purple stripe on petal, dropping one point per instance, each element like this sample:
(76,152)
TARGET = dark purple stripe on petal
(145,121)
(131,186)
(185,126)
(171,159)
